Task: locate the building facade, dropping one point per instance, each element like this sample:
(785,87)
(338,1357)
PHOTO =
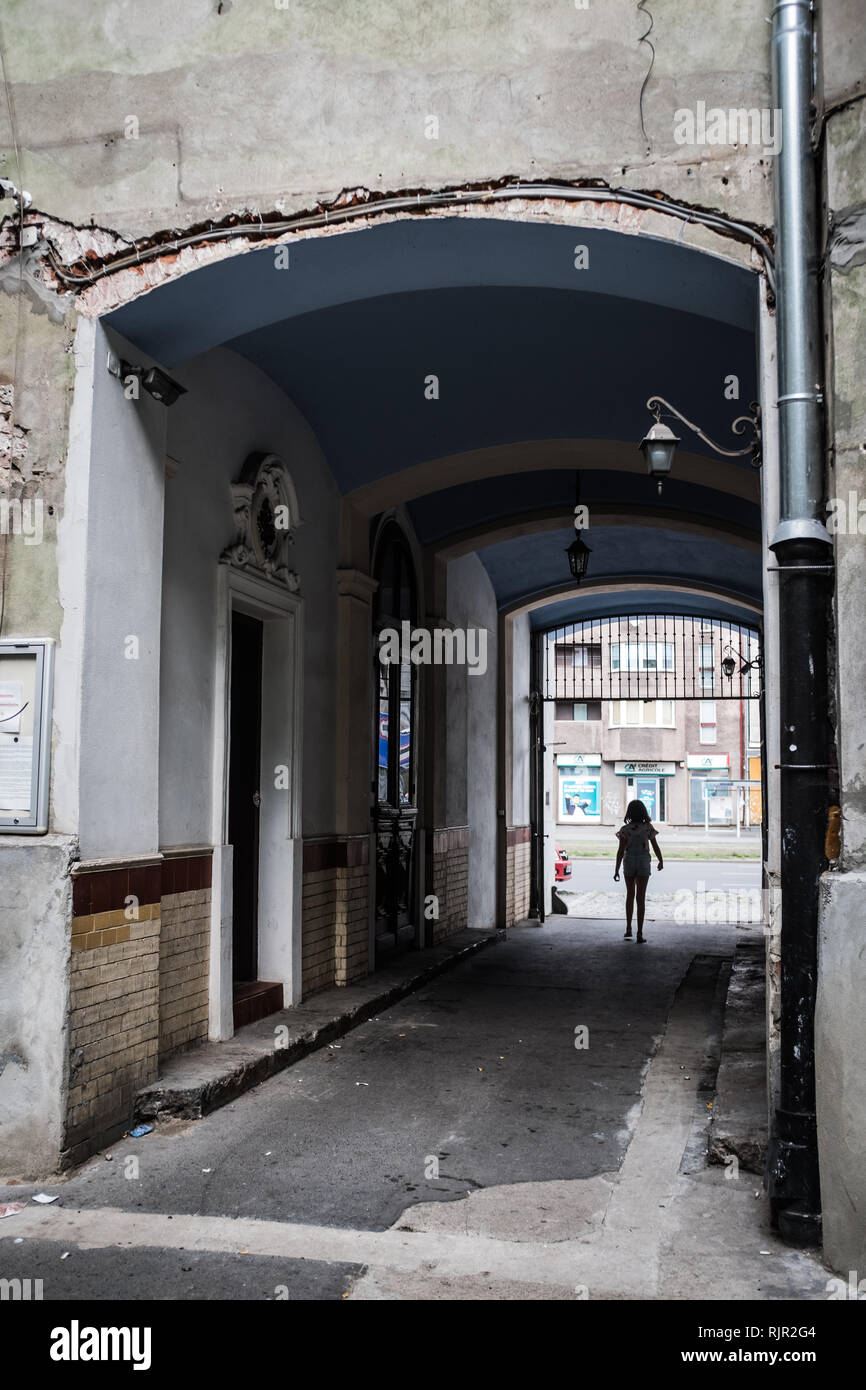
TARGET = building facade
(691,761)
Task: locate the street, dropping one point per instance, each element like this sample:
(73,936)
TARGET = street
(469,1142)
(684,891)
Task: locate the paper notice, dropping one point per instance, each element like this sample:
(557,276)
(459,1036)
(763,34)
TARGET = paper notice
(16,771)
(11,700)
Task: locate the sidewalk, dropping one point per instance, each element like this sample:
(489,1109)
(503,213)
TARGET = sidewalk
(195,1083)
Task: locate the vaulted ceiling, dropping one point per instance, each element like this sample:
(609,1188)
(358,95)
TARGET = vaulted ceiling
(542,369)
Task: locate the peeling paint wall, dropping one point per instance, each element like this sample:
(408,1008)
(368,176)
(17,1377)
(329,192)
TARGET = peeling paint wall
(196,111)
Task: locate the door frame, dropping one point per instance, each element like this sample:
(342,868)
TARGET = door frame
(256,625)
(659,780)
(281,612)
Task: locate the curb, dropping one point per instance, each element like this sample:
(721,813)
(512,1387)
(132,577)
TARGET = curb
(157,1101)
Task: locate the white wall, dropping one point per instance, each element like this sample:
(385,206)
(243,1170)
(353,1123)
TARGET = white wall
(231,410)
(520,726)
(119,682)
(471,737)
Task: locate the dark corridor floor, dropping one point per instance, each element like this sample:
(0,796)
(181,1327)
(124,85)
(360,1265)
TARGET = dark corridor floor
(478,1072)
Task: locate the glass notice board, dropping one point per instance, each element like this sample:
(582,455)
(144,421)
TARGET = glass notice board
(26,670)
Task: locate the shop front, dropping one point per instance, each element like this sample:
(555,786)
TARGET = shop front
(711,796)
(579,792)
(647,782)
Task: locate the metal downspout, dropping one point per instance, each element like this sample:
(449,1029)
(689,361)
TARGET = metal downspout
(803,550)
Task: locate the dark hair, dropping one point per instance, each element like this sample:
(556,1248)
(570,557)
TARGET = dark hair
(636,811)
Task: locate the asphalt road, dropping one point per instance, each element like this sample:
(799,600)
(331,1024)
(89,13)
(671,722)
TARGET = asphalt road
(596,875)
(471,1084)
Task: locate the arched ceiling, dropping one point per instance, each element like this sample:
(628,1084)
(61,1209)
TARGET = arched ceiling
(597,599)
(541,368)
(519,571)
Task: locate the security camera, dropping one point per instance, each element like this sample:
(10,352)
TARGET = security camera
(156,382)
(161,386)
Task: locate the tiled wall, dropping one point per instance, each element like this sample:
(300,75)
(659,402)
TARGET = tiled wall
(138,987)
(318,944)
(450,880)
(114,1002)
(517,862)
(336,912)
(184,954)
(352,954)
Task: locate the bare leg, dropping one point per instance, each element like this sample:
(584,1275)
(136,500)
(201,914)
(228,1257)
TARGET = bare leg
(641,905)
(629,902)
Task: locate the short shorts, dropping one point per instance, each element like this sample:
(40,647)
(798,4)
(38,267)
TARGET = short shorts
(637,864)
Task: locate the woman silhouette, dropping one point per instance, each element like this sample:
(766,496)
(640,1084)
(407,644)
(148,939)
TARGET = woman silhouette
(635,838)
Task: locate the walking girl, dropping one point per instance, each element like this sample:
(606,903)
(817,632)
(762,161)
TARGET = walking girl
(635,838)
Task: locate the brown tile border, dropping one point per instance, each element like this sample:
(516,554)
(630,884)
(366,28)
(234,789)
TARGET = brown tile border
(517,835)
(450,837)
(106,888)
(183,875)
(345,853)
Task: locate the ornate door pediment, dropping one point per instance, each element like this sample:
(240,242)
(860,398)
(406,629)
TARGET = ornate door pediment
(266,517)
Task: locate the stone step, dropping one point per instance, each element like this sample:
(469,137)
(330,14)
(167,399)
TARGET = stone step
(194,1083)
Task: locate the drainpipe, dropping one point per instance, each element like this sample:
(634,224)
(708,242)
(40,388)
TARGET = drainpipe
(803,551)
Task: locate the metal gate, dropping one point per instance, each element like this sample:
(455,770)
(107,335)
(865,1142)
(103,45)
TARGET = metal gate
(652,656)
(634,658)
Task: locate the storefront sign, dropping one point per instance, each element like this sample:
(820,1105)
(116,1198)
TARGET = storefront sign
(706,762)
(638,769)
(578,760)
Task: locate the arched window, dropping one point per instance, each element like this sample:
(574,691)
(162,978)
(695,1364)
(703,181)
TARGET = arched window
(395,604)
(395,740)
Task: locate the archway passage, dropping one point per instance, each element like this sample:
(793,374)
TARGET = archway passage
(433,393)
(458,375)
(651,705)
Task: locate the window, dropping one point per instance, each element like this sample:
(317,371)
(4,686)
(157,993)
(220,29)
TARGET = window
(586,655)
(708,721)
(581,712)
(395,601)
(708,675)
(641,656)
(577,656)
(649,714)
(754,723)
(709,797)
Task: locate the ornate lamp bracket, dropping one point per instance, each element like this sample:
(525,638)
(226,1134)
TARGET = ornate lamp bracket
(742,422)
